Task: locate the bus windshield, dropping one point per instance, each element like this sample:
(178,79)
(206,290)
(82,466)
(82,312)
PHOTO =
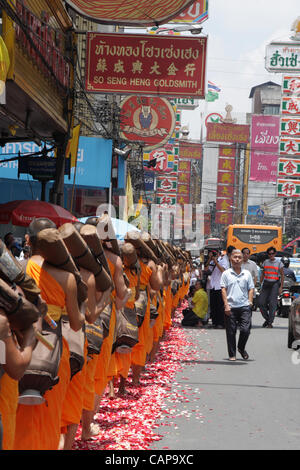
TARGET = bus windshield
(257,238)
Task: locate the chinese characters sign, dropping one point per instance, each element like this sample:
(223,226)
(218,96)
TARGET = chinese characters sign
(225,184)
(288,167)
(264,145)
(283,57)
(220,132)
(145,64)
(289,144)
(288,188)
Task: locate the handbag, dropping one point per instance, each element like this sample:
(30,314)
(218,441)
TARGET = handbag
(41,374)
(127,332)
(76,340)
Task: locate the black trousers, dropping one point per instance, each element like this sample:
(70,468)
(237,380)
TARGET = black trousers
(217,307)
(239,317)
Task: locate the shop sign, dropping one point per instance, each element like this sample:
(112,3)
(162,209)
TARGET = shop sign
(291,84)
(221,132)
(185,103)
(224,190)
(166,200)
(290,105)
(288,167)
(289,146)
(288,188)
(163,160)
(224,218)
(283,57)
(145,64)
(196,13)
(190,150)
(45,40)
(290,126)
(149,179)
(166,184)
(226,164)
(225,177)
(264,145)
(147,119)
(41,168)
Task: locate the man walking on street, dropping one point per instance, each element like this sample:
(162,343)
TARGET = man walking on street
(237,292)
(271,279)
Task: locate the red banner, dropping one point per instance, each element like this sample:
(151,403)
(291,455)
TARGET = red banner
(190,150)
(145,64)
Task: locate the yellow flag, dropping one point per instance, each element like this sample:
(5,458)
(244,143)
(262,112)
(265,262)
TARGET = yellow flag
(139,207)
(72,147)
(129,199)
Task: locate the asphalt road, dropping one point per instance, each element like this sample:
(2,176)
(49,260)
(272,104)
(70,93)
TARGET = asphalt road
(242,405)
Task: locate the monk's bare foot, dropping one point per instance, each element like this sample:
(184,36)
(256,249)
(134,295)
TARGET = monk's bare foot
(111,393)
(94,431)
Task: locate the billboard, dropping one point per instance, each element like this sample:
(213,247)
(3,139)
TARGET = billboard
(264,147)
(145,64)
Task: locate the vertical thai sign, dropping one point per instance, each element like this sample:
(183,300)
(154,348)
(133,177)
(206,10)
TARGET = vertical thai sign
(264,147)
(225,184)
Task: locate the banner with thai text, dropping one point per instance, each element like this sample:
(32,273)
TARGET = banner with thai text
(264,147)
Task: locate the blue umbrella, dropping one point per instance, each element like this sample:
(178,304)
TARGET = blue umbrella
(121,227)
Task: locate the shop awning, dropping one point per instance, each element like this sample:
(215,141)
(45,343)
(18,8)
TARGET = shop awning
(130,12)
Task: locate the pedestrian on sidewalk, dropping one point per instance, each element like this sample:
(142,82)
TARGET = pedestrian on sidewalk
(237,292)
(271,279)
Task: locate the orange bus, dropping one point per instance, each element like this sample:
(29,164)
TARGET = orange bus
(257,238)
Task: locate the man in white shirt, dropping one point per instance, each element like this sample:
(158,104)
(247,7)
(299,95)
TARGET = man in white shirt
(218,264)
(237,291)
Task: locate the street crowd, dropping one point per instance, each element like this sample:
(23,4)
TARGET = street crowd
(82,314)
(79,314)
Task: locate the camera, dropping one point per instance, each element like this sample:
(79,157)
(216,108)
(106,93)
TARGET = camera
(206,253)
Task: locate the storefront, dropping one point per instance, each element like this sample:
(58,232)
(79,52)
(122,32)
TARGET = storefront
(85,188)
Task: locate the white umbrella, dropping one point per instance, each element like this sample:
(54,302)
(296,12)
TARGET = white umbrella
(121,227)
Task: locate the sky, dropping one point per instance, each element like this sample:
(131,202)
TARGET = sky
(238,32)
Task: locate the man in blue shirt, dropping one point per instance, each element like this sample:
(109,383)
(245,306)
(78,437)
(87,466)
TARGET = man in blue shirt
(237,293)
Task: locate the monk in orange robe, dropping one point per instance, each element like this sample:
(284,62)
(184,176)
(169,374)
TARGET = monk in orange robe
(17,359)
(38,426)
(101,372)
(80,393)
(130,268)
(150,275)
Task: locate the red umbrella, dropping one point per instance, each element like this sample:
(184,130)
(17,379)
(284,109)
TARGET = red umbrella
(21,213)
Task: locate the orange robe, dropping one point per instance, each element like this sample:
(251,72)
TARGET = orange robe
(8,408)
(139,351)
(124,360)
(73,402)
(38,426)
(168,308)
(105,367)
(158,326)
